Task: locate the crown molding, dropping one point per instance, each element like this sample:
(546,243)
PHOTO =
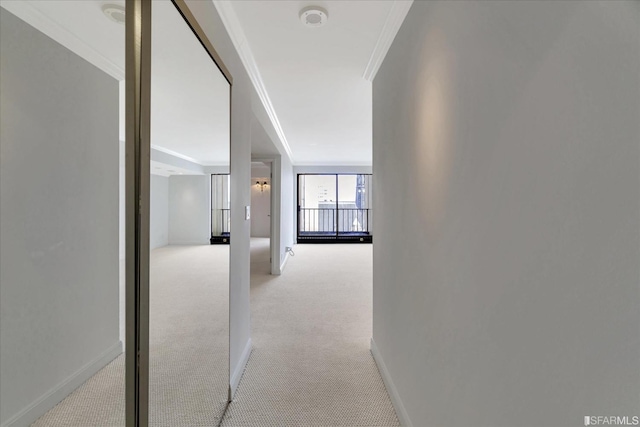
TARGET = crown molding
(34,17)
(394,21)
(234,28)
(176,154)
(195,163)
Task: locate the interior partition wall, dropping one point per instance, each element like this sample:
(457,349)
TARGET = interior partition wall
(334,208)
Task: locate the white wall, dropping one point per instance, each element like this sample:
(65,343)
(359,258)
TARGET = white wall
(288,207)
(264,142)
(58,221)
(506,165)
(189,209)
(242,93)
(121,221)
(159,212)
(260,170)
(260,207)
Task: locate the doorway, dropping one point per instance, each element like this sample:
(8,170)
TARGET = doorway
(261,217)
(270,167)
(260,199)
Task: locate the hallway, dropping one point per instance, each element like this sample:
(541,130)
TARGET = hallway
(188,349)
(310,364)
(311,328)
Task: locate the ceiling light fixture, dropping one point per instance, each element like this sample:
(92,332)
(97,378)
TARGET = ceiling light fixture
(314,16)
(114,12)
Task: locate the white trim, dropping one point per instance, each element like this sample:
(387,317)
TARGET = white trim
(276,214)
(335,164)
(401,412)
(178,155)
(187,158)
(37,19)
(54,396)
(237,373)
(321,169)
(394,21)
(234,28)
(284,261)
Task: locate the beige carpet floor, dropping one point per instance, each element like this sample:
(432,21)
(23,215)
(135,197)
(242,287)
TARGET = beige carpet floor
(310,365)
(311,330)
(188,361)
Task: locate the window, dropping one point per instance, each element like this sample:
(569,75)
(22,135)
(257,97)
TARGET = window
(220,218)
(334,208)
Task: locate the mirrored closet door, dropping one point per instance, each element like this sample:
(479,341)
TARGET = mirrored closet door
(189,277)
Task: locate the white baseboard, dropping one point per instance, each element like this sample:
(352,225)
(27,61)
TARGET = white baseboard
(284,262)
(237,373)
(403,417)
(54,396)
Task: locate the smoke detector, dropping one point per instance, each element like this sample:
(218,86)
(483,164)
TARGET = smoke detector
(313,16)
(114,12)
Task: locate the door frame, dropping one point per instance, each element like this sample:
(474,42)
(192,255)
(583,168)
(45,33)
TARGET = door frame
(276,196)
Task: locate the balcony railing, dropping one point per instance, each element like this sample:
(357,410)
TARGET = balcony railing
(333,220)
(220,223)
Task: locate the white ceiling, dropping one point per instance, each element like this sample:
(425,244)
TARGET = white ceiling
(190,114)
(314,77)
(315,83)
(190,98)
